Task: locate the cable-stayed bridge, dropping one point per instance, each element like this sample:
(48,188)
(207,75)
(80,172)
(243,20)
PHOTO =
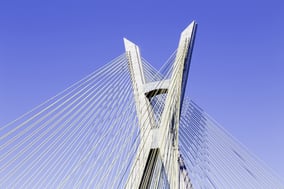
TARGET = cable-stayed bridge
(127,125)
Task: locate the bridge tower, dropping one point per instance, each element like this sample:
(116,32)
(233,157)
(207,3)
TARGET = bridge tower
(158,160)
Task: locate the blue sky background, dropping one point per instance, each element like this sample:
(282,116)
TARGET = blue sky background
(237,70)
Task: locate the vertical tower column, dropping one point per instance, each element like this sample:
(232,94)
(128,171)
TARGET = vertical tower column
(144,113)
(169,125)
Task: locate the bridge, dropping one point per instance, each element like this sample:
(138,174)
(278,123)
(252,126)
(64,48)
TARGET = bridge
(128,125)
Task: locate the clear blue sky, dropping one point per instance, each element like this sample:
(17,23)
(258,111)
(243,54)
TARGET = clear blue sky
(237,71)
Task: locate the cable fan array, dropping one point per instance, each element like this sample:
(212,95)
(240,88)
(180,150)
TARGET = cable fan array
(214,159)
(79,138)
(88,136)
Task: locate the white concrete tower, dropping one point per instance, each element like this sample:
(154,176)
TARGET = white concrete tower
(161,145)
